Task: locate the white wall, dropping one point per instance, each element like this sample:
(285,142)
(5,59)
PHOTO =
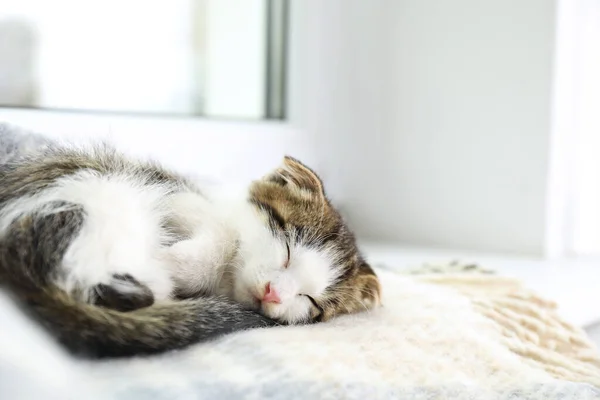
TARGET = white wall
(338,90)
(432,118)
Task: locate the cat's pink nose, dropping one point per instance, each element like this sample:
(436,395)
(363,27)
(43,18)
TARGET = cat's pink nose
(271,295)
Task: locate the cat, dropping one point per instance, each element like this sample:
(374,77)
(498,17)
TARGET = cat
(119,257)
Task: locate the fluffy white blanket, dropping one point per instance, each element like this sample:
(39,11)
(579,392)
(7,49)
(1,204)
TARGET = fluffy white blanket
(436,337)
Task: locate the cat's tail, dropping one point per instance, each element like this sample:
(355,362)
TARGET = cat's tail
(26,264)
(92,331)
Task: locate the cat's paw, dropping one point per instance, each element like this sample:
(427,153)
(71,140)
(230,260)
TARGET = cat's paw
(122,293)
(197,264)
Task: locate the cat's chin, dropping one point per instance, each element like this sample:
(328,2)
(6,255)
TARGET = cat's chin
(247,299)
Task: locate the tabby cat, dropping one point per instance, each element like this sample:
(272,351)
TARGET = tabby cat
(117,257)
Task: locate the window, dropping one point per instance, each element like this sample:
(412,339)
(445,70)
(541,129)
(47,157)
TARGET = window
(574,193)
(217,58)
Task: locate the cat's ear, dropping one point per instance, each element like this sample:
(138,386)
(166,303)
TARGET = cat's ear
(369,286)
(293,172)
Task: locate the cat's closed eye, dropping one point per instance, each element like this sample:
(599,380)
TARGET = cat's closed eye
(316,310)
(287,259)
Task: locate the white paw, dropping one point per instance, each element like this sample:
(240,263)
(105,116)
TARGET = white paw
(197,264)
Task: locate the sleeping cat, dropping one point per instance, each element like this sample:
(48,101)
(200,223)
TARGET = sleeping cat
(118,257)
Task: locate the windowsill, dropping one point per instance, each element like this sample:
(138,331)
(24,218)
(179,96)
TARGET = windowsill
(572,284)
(213,148)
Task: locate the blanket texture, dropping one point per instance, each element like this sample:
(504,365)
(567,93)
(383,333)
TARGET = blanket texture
(438,336)
(443,332)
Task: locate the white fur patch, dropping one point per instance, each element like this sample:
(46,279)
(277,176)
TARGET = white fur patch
(121,233)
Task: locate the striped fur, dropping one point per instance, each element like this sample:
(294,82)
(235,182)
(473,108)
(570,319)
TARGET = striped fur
(32,247)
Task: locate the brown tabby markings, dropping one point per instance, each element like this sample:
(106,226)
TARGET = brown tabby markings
(294,200)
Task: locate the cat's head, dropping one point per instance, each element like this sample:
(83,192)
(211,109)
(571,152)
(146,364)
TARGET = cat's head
(300,260)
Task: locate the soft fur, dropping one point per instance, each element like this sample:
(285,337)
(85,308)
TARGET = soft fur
(102,249)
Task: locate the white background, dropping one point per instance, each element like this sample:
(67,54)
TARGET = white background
(433,118)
